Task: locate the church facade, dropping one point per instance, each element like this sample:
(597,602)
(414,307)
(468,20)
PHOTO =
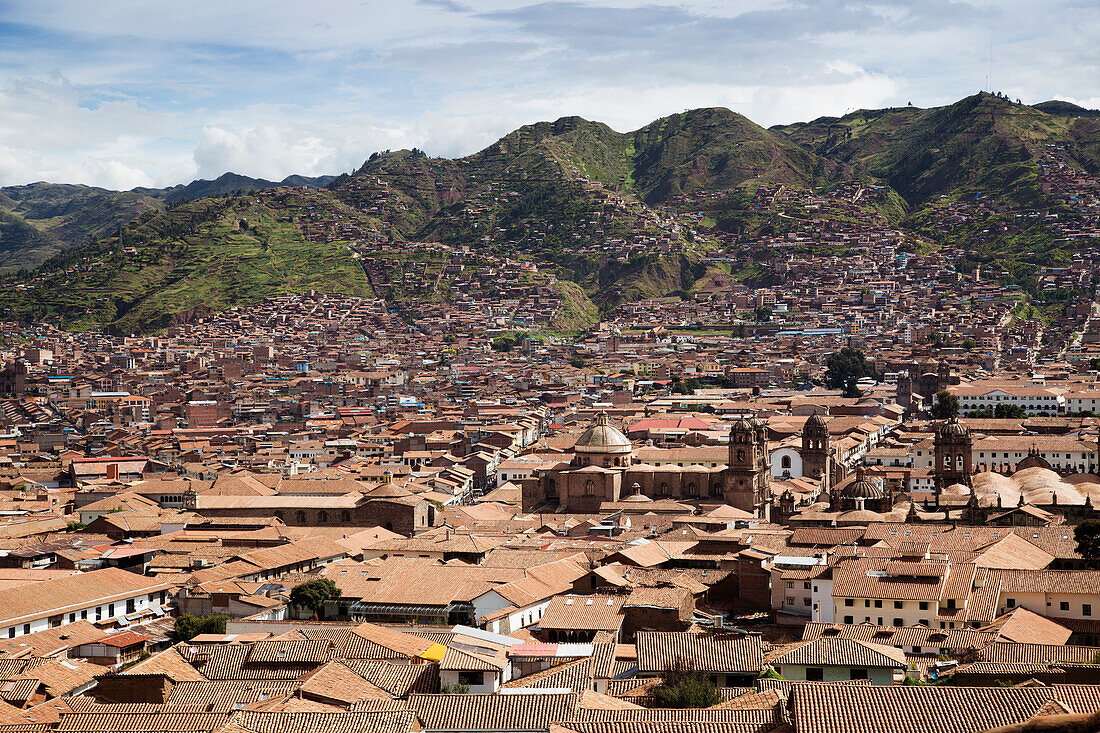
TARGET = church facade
(604,469)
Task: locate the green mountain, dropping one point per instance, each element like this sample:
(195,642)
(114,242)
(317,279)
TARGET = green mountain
(43,219)
(40,220)
(981,146)
(617,216)
(198,256)
(717,150)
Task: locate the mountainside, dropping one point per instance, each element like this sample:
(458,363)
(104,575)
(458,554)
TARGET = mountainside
(229,183)
(983,146)
(40,220)
(716,150)
(199,256)
(612,216)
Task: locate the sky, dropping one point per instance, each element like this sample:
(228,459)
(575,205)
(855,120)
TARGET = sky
(125,93)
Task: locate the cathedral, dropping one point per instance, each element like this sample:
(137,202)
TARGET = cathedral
(604,469)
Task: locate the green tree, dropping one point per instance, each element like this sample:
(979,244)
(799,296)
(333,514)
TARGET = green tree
(844,365)
(968,343)
(946,406)
(762,314)
(1006,410)
(1087,535)
(188,627)
(312,594)
(682,686)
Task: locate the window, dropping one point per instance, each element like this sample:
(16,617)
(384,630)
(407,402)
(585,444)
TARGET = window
(898,605)
(867,603)
(878,604)
(848,620)
(84,615)
(789,600)
(110,610)
(815,674)
(11,632)
(898,622)
(1011,602)
(130,606)
(805,601)
(26,628)
(924,605)
(858,674)
(806,586)
(469,678)
(1063,606)
(849,601)
(790,583)
(1086,609)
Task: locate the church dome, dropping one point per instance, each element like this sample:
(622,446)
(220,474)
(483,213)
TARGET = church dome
(602,438)
(741,424)
(953,429)
(816,421)
(862,488)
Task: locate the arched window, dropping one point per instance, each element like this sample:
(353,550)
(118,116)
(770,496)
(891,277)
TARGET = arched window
(740,455)
(345,516)
(785,462)
(740,438)
(323,517)
(300,517)
(947,461)
(691,490)
(715,489)
(589,488)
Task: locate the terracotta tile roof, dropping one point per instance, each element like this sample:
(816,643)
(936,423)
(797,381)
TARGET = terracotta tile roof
(224,695)
(73,592)
(389,721)
(828,708)
(593,612)
(518,712)
(399,680)
(170,664)
(575,676)
(713,653)
(158,722)
(1037,653)
(839,652)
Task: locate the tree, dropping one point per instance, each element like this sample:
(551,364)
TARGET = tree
(968,343)
(946,407)
(762,314)
(682,686)
(188,627)
(844,365)
(1009,411)
(1087,535)
(312,594)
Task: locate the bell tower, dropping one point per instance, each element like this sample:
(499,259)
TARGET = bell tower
(748,484)
(954,455)
(815,450)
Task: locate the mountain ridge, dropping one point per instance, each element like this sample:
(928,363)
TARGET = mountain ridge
(623,215)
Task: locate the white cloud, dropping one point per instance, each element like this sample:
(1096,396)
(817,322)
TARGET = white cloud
(133,92)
